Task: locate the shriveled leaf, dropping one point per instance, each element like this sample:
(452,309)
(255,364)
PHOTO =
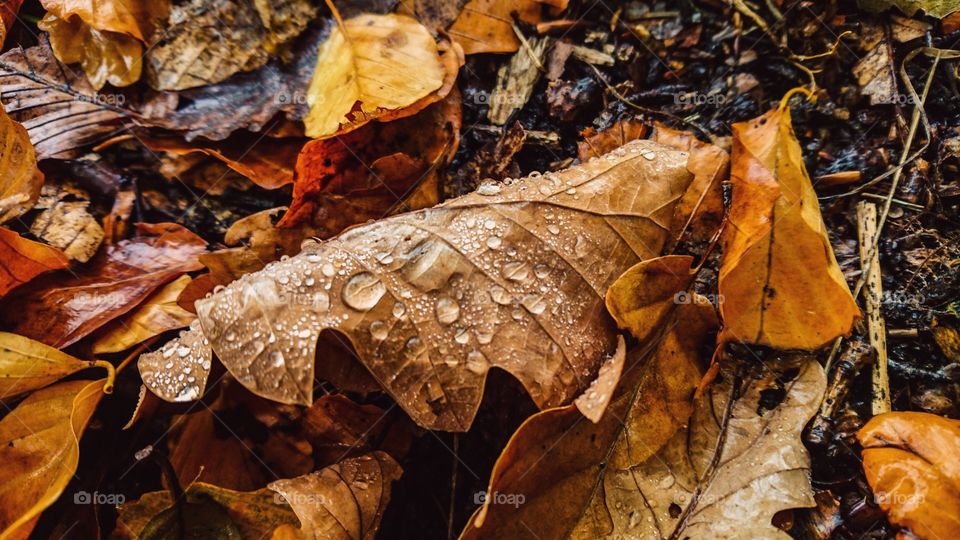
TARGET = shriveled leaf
(910,459)
(934,8)
(598,143)
(700,211)
(337,427)
(103,56)
(25,259)
(343,501)
(26,365)
(208,510)
(20,179)
(779,279)
(136,18)
(66,223)
(39,449)
(650,468)
(59,310)
(206,41)
(512,276)
(58,107)
(485,26)
(642,298)
(379,169)
(379,67)
(158,314)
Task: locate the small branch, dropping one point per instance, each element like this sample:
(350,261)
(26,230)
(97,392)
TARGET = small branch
(872,294)
(857,355)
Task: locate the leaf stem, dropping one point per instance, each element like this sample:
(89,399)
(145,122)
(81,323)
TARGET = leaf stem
(111,373)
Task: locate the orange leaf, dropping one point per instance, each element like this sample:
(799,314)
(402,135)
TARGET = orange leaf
(779,279)
(910,459)
(486,26)
(22,260)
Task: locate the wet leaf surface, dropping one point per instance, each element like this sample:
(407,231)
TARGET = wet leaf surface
(21,260)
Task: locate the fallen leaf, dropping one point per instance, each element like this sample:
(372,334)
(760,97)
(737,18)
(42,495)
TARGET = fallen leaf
(377,67)
(8,14)
(434,14)
(344,501)
(486,26)
(596,144)
(700,211)
(336,427)
(779,279)
(23,260)
(39,447)
(59,310)
(58,107)
(66,223)
(206,41)
(650,468)
(105,37)
(641,299)
(26,365)
(22,179)
(208,511)
(910,460)
(512,276)
(934,8)
(157,314)
(874,72)
(376,170)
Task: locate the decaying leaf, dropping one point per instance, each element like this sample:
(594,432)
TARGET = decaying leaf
(595,144)
(650,469)
(648,292)
(343,501)
(910,459)
(59,310)
(21,179)
(208,511)
(874,72)
(934,8)
(8,14)
(512,276)
(26,365)
(206,41)
(779,279)
(158,314)
(58,107)
(486,26)
(105,37)
(66,223)
(39,447)
(379,67)
(378,169)
(25,259)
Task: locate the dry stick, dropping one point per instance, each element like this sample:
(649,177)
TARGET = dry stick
(870,262)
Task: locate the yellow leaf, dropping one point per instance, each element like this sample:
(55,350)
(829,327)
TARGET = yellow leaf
(910,460)
(779,280)
(39,450)
(26,365)
(156,315)
(20,179)
(104,56)
(136,18)
(371,66)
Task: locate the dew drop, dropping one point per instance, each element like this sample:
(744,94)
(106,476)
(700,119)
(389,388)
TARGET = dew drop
(541,271)
(363,291)
(489,224)
(488,188)
(534,304)
(484,336)
(494,242)
(384,258)
(516,271)
(581,248)
(553,228)
(414,346)
(276,359)
(230,335)
(399,309)
(448,311)
(477,363)
(379,330)
(500,295)
(328,269)
(462,336)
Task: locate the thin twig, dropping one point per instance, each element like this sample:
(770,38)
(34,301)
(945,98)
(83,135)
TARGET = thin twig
(872,295)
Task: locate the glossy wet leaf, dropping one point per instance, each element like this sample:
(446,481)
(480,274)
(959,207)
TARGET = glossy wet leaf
(39,449)
(910,460)
(26,365)
(59,310)
(659,465)
(344,501)
(158,314)
(642,298)
(55,103)
(511,276)
(376,67)
(204,42)
(25,259)
(779,279)
(20,179)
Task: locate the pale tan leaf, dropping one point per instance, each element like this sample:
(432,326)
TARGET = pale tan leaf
(343,501)
(39,449)
(66,223)
(512,276)
(26,365)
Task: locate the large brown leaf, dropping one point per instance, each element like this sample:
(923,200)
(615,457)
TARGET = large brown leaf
(58,107)
(20,179)
(910,460)
(659,465)
(512,276)
(59,310)
(40,450)
(21,260)
(779,279)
